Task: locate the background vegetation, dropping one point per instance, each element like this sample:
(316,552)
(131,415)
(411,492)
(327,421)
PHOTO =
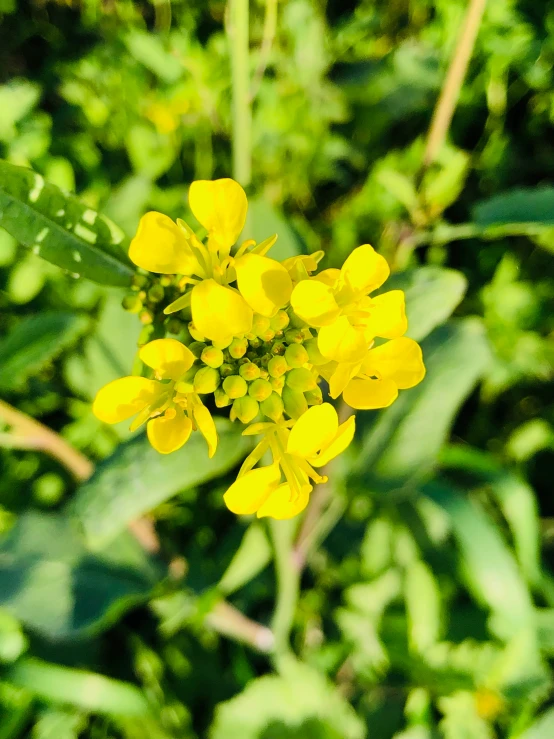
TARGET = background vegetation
(416,598)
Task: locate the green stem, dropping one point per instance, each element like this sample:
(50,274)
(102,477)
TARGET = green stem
(237,31)
(288,584)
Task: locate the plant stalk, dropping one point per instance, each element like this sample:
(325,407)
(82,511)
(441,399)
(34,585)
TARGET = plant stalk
(238,34)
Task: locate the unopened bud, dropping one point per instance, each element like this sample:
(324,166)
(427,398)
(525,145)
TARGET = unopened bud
(296,355)
(280,321)
(212,357)
(174,326)
(277,383)
(156,293)
(165,280)
(222,400)
(245,409)
(301,379)
(222,344)
(268,335)
(226,369)
(260,389)
(197,347)
(294,402)
(272,407)
(260,324)
(139,281)
(206,380)
(278,348)
(315,357)
(314,397)
(146,318)
(277,366)
(196,335)
(132,303)
(235,386)
(249,371)
(294,336)
(255,343)
(238,348)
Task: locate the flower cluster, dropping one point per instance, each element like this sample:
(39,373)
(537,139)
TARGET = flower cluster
(259,336)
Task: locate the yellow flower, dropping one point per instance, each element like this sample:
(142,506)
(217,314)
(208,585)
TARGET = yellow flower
(337,302)
(168,402)
(315,438)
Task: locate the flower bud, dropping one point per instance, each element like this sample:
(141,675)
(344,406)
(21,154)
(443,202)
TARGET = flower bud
(301,379)
(280,321)
(260,389)
(245,409)
(226,369)
(268,335)
(222,344)
(222,400)
(260,324)
(174,326)
(156,293)
(277,366)
(196,335)
(294,402)
(197,347)
(278,348)
(235,386)
(238,348)
(139,281)
(212,357)
(132,303)
(277,383)
(272,407)
(314,397)
(255,343)
(315,357)
(249,371)
(296,355)
(206,380)
(165,280)
(294,336)
(146,317)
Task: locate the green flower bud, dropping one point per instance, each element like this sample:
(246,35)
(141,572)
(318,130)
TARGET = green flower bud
(294,336)
(268,335)
(212,357)
(296,321)
(314,397)
(260,389)
(272,407)
(280,321)
(146,317)
(301,379)
(249,371)
(206,380)
(245,409)
(278,348)
(251,356)
(165,280)
(174,326)
(139,281)
(238,348)
(255,343)
(226,369)
(277,366)
(132,303)
(296,355)
(235,386)
(315,357)
(260,324)
(196,335)
(294,402)
(222,400)
(277,383)
(156,293)
(264,360)
(197,347)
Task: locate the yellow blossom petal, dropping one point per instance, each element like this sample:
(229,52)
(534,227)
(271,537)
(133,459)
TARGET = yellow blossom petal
(370,394)
(249,492)
(264,283)
(206,426)
(168,357)
(313,431)
(220,206)
(169,434)
(342,440)
(387,316)
(399,360)
(314,302)
(161,246)
(364,270)
(281,505)
(329,277)
(341,342)
(122,398)
(219,312)
(342,375)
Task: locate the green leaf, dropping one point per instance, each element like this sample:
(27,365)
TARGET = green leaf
(542,728)
(136,479)
(521,205)
(432,293)
(489,566)
(17,98)
(61,229)
(423,606)
(296,704)
(461,720)
(86,690)
(262,221)
(405,441)
(148,49)
(55,586)
(56,724)
(33,342)
(252,556)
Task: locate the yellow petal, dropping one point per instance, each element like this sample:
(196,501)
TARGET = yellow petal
(169,434)
(370,394)
(219,312)
(206,426)
(251,490)
(279,504)
(122,398)
(342,440)
(387,316)
(365,270)
(314,302)
(168,357)
(264,283)
(341,342)
(161,246)
(314,430)
(399,360)
(342,375)
(220,206)
(329,277)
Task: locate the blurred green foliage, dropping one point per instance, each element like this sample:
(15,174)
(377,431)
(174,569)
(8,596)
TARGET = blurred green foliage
(427,607)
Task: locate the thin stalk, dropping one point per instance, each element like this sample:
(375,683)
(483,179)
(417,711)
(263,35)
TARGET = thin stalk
(237,32)
(268,36)
(288,584)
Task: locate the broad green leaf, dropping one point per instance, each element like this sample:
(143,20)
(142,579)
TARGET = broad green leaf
(489,566)
(136,479)
(61,229)
(262,221)
(406,438)
(423,606)
(521,205)
(432,293)
(252,556)
(86,690)
(296,704)
(542,728)
(50,582)
(34,342)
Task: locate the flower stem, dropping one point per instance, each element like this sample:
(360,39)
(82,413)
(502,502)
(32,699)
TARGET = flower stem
(237,32)
(288,582)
